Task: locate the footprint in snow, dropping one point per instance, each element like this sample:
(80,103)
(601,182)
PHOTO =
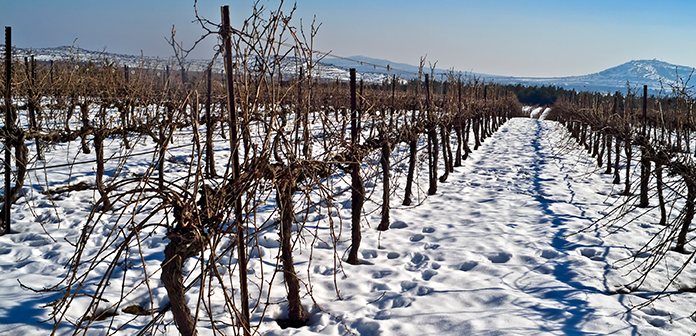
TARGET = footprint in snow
(428,274)
(468,266)
(418,261)
(528,259)
(379,287)
(656,321)
(367,254)
(423,290)
(398,225)
(655,312)
(408,285)
(417,237)
(549,254)
(402,301)
(545,269)
(500,257)
(381,274)
(591,253)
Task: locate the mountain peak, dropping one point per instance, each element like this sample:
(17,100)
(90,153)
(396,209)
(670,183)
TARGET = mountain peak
(647,70)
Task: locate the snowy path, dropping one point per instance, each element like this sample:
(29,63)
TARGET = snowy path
(481,257)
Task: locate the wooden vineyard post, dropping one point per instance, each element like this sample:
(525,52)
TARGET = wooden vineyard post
(432,141)
(385,143)
(644,160)
(209,128)
(445,134)
(358,190)
(226,33)
(413,151)
(431,191)
(124,109)
(458,125)
(617,148)
(392,111)
(8,123)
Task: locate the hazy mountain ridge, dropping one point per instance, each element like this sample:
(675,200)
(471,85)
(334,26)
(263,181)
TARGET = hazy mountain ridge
(323,70)
(654,73)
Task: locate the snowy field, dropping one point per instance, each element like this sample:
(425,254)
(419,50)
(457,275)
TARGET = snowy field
(490,254)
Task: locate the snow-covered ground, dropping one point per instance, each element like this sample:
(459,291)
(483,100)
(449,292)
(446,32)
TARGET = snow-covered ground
(490,254)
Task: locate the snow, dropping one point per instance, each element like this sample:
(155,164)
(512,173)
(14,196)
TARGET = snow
(492,253)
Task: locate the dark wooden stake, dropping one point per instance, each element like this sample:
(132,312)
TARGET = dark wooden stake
(386,165)
(412,153)
(238,218)
(358,190)
(124,109)
(432,141)
(458,126)
(644,161)
(8,124)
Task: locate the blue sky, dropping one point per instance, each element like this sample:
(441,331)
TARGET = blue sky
(503,37)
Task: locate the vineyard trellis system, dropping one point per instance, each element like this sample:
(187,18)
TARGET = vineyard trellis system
(292,139)
(661,128)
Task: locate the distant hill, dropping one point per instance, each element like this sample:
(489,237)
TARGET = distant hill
(656,74)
